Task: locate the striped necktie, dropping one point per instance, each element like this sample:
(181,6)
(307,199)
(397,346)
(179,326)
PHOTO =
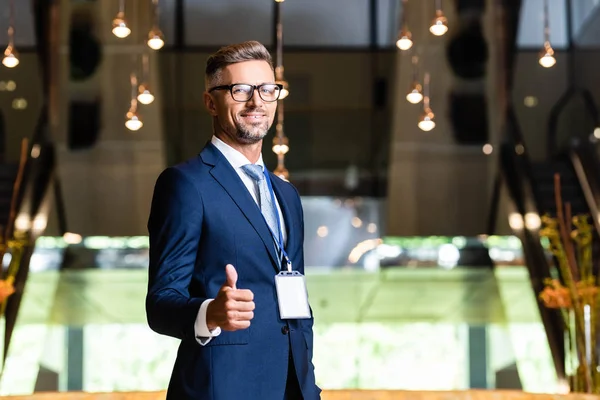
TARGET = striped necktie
(265,201)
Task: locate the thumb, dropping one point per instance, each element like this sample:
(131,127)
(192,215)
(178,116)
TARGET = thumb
(231,276)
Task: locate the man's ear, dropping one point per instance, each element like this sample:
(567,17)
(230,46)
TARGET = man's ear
(210,105)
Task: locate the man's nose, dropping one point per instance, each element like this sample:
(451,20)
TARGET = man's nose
(255,99)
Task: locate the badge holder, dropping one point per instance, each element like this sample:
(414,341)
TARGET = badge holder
(292,295)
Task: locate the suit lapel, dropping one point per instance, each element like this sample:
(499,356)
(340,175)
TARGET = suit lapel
(226,176)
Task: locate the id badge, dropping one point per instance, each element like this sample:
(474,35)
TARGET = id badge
(292,295)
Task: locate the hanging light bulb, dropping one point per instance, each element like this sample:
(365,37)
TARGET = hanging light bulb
(133,122)
(280,143)
(415,92)
(120,28)
(426,122)
(11,57)
(145,96)
(144,93)
(119,24)
(547,59)
(285,91)
(156,39)
(439,26)
(404,41)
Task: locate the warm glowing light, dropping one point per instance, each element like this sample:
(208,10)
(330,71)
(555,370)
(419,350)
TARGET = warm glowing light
(530,101)
(121,31)
(19,103)
(426,125)
(39,223)
(597,133)
(361,249)
(488,149)
(35,151)
(404,41)
(515,221)
(532,221)
(282,148)
(120,28)
(23,223)
(156,39)
(322,231)
(280,143)
(519,149)
(426,122)
(11,58)
(547,59)
(72,238)
(356,222)
(372,228)
(9,86)
(415,94)
(133,122)
(145,96)
(285,91)
(439,26)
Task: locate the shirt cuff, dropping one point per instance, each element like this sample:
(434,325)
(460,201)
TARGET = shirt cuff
(203,334)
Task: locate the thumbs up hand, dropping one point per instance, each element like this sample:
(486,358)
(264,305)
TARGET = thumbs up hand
(232,309)
(230,276)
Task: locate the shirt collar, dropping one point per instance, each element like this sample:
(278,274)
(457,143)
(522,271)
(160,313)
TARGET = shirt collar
(235,158)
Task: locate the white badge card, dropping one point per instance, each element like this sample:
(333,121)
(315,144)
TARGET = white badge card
(292,295)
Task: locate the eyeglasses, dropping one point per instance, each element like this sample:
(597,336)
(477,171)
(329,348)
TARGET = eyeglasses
(243,92)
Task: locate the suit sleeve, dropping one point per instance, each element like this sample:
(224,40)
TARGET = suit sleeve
(174,227)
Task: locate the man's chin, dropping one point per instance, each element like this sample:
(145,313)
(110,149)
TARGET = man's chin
(251,137)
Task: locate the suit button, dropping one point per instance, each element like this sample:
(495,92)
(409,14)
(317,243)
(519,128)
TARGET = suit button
(285,330)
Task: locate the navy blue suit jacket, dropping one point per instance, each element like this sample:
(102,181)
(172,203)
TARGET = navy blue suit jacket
(203,218)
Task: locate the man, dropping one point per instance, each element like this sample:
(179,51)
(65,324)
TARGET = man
(221,229)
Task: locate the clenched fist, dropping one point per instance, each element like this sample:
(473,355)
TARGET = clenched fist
(232,309)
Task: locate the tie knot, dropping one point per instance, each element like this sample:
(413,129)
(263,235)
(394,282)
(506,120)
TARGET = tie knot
(254,171)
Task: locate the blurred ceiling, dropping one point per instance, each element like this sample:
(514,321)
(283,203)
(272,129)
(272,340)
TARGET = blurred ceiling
(328,26)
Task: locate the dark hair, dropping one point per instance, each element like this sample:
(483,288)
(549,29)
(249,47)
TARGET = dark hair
(232,54)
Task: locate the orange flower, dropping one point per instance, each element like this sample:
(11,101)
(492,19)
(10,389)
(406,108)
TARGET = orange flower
(6,289)
(555,295)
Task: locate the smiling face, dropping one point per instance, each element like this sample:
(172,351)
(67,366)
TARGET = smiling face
(243,122)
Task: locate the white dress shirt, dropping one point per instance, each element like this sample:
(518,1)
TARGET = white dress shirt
(237,160)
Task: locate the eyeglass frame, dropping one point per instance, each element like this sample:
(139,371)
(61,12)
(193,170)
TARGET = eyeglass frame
(254,87)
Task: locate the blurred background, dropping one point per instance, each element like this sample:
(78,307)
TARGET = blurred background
(422,135)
